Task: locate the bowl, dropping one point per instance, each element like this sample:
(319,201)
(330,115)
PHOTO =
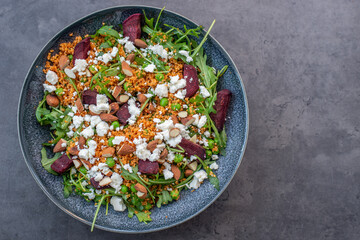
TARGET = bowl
(190,204)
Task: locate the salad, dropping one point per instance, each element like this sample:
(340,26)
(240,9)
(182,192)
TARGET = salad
(134,115)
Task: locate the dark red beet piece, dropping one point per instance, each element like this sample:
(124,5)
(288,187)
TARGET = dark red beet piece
(192,149)
(192,81)
(62,164)
(89,96)
(96,184)
(148,167)
(81,49)
(221,106)
(132,27)
(123,114)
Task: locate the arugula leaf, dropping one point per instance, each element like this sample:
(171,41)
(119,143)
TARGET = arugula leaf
(158,19)
(108,31)
(164,199)
(198,99)
(143,216)
(105,45)
(197,49)
(74,85)
(112,72)
(149,22)
(67,187)
(46,162)
(41,110)
(131,211)
(212,179)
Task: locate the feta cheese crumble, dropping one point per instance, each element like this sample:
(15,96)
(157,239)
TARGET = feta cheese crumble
(176,83)
(133,110)
(117,203)
(51,77)
(80,66)
(204,92)
(49,88)
(214,166)
(161,90)
(186,54)
(150,68)
(159,50)
(102,128)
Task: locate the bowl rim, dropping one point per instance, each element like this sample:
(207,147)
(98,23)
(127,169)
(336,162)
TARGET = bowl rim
(54,200)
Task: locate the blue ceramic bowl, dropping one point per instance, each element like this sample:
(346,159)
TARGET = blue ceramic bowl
(32,135)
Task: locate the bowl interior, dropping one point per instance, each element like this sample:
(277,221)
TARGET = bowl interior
(32,135)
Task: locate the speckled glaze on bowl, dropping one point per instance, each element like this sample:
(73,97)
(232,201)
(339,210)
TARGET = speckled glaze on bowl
(32,135)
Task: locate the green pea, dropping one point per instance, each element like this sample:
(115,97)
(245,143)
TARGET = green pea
(115,124)
(167,68)
(208,153)
(92,69)
(211,143)
(174,194)
(159,76)
(132,188)
(164,102)
(176,107)
(148,206)
(110,143)
(124,189)
(178,158)
(59,91)
(110,162)
(70,57)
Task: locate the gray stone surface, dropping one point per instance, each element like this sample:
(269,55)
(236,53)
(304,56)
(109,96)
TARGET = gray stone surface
(300,61)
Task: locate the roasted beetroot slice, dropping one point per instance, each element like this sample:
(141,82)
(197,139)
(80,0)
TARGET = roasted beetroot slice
(148,167)
(123,114)
(221,106)
(62,164)
(132,27)
(96,184)
(89,96)
(192,81)
(192,149)
(81,49)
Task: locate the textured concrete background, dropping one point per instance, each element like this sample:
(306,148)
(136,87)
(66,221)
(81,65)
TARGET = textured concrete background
(300,62)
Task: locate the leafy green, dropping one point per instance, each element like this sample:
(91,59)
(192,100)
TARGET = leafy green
(143,216)
(149,22)
(107,31)
(158,19)
(105,45)
(67,186)
(197,49)
(164,198)
(46,162)
(209,79)
(74,86)
(133,176)
(97,211)
(212,179)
